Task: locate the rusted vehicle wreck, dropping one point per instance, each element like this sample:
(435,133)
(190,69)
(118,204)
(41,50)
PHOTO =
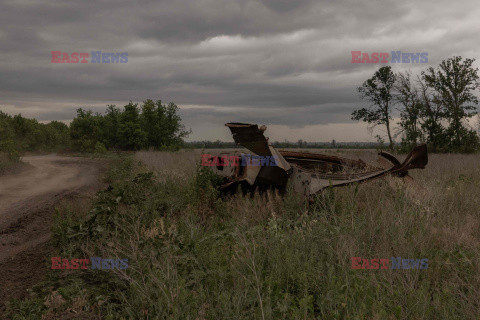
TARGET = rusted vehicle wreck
(309,173)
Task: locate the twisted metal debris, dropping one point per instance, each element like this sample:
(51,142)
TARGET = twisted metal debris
(310,173)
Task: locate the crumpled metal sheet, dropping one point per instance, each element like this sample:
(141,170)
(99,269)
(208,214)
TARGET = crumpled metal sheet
(311,183)
(310,173)
(250,136)
(305,158)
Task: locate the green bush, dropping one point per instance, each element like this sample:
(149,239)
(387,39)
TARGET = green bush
(100,148)
(9,148)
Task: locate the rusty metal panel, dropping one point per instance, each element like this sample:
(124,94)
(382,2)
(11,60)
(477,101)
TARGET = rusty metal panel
(416,159)
(251,173)
(250,136)
(281,162)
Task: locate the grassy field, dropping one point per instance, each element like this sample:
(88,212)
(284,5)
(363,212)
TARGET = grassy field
(193,255)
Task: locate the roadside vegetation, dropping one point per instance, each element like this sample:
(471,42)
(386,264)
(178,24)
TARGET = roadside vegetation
(8,161)
(152,125)
(18,135)
(194,255)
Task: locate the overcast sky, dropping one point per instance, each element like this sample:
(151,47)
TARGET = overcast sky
(283,63)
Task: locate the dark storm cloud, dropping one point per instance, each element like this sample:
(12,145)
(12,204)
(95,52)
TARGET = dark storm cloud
(336,112)
(272,61)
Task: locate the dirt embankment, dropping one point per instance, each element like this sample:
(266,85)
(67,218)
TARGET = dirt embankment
(27,201)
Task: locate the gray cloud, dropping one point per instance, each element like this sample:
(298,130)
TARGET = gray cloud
(272,61)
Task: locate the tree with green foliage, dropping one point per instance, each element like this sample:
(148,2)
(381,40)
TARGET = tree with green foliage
(6,128)
(56,135)
(111,127)
(433,109)
(454,82)
(378,91)
(85,130)
(162,124)
(432,114)
(153,125)
(131,135)
(19,134)
(7,137)
(410,113)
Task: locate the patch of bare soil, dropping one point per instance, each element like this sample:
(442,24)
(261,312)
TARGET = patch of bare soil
(14,169)
(27,202)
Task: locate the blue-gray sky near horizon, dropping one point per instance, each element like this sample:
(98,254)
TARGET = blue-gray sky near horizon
(283,63)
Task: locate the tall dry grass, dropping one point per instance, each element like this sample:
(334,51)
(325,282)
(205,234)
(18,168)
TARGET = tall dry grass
(437,218)
(194,255)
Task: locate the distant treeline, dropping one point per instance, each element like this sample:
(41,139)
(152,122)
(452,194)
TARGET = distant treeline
(287,144)
(151,126)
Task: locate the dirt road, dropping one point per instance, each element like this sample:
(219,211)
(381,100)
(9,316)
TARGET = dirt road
(27,201)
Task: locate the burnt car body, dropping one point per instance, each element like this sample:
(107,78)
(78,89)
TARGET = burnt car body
(309,173)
